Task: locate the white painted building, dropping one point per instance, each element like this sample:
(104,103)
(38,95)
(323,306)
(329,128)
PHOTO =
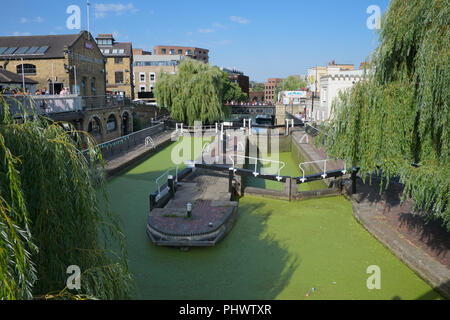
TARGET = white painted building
(331,84)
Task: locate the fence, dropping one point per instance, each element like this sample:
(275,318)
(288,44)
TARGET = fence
(47,104)
(43,104)
(112,148)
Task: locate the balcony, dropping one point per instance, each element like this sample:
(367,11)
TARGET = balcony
(55,104)
(146,95)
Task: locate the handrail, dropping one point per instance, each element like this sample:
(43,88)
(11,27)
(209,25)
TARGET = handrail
(256,173)
(149,140)
(324,175)
(164,174)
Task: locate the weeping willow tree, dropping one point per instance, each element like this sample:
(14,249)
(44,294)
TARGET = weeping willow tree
(195,92)
(397,120)
(50,215)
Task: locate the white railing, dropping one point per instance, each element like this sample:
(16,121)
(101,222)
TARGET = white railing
(165,190)
(149,141)
(255,172)
(324,175)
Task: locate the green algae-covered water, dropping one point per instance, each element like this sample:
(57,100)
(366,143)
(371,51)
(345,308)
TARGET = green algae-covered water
(291,168)
(276,250)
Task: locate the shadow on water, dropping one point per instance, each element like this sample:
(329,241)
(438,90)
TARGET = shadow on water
(247,264)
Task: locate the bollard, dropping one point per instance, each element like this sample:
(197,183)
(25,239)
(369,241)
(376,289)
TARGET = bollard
(230,180)
(152,199)
(353,182)
(171,185)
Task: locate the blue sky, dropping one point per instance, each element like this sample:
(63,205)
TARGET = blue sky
(262,38)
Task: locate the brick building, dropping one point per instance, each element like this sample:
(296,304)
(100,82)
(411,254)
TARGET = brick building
(119,65)
(190,52)
(71,61)
(269,89)
(147,68)
(54,60)
(238,77)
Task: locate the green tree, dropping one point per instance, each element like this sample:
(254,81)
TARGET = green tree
(231,90)
(196,92)
(291,83)
(50,215)
(257,86)
(399,115)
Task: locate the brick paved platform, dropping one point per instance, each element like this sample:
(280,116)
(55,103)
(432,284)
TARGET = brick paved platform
(213,212)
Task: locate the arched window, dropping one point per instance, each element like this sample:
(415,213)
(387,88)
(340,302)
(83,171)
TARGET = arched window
(111,124)
(94,127)
(29,69)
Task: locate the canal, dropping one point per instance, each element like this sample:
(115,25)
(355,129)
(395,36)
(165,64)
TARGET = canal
(276,250)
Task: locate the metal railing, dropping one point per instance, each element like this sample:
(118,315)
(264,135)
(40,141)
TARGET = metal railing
(115,147)
(166,189)
(48,104)
(255,172)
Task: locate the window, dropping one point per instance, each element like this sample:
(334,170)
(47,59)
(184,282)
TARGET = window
(118,60)
(22,50)
(180,51)
(142,76)
(142,88)
(106,51)
(93,89)
(29,69)
(151,88)
(3,49)
(172,51)
(118,77)
(111,124)
(163,51)
(94,127)
(152,76)
(41,50)
(9,51)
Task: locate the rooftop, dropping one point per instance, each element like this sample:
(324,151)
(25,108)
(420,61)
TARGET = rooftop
(47,46)
(10,77)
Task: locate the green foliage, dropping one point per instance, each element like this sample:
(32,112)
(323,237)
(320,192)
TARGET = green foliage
(231,90)
(50,216)
(399,115)
(291,83)
(257,86)
(196,92)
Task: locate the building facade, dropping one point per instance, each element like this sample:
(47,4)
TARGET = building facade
(57,61)
(336,81)
(238,77)
(316,73)
(189,52)
(270,89)
(147,69)
(76,63)
(119,65)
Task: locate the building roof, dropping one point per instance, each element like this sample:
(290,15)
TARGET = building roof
(10,77)
(113,48)
(29,47)
(118,49)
